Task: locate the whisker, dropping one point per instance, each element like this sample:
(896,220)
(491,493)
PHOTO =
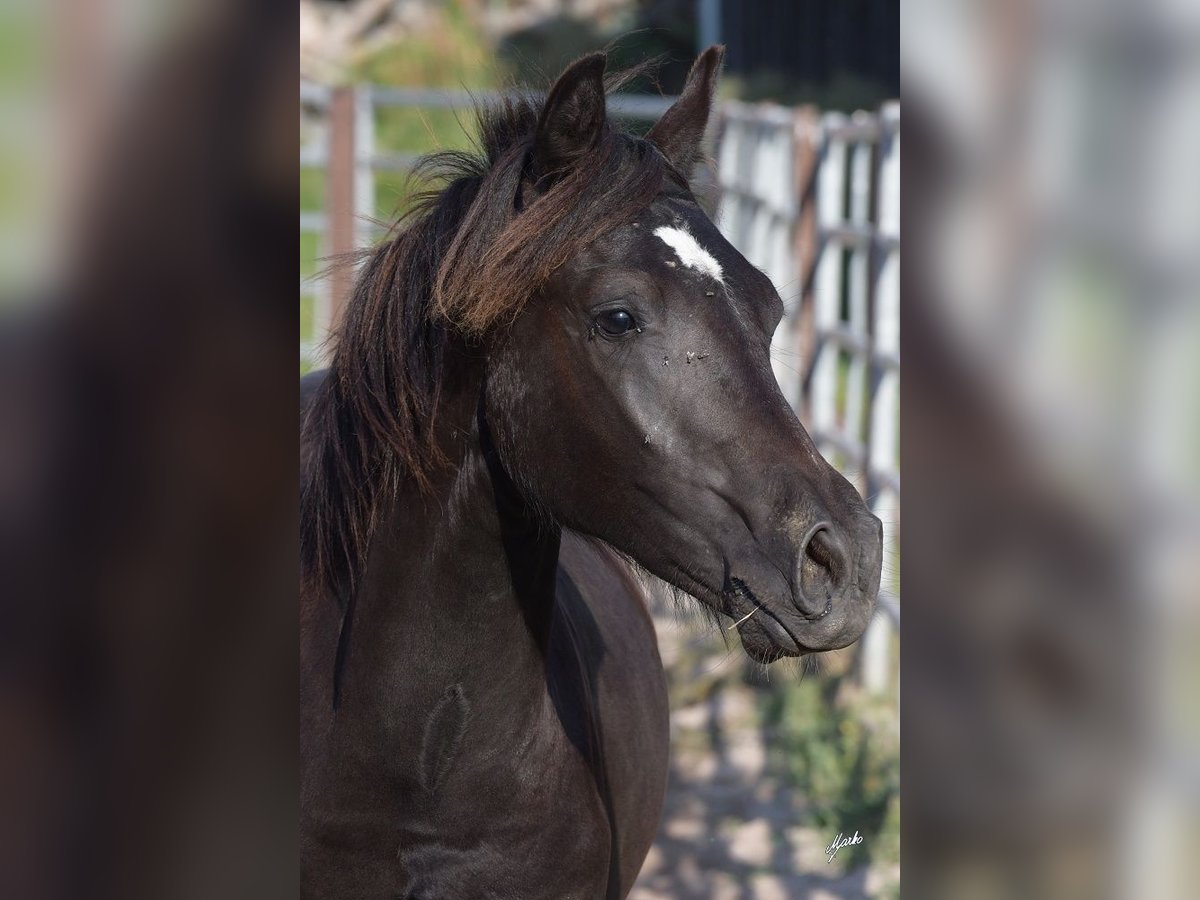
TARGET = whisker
(743,619)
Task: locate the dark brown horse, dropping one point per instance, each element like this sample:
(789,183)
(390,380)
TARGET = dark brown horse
(556,365)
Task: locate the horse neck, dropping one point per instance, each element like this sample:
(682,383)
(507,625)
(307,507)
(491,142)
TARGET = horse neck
(461,579)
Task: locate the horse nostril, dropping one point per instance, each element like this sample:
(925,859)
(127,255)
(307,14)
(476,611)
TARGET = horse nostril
(821,571)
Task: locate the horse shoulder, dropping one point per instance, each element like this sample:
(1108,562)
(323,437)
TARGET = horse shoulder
(605,600)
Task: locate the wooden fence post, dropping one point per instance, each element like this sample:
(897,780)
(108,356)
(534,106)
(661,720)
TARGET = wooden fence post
(807,143)
(340,199)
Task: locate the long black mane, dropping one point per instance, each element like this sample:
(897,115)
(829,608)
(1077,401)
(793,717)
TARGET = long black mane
(462,262)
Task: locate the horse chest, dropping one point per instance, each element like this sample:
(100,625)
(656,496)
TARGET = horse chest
(518,811)
(505,768)
(474,800)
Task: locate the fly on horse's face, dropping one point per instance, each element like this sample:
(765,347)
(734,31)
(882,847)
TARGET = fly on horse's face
(682,450)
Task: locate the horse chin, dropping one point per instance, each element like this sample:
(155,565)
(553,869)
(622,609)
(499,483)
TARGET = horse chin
(766,641)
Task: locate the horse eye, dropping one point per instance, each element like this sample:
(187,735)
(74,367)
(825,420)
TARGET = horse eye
(615,322)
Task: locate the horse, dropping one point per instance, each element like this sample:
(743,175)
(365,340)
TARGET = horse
(554,372)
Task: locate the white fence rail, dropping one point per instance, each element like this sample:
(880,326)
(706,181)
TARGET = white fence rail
(813,200)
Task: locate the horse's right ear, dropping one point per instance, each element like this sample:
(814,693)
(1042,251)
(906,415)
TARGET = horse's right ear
(573,119)
(678,134)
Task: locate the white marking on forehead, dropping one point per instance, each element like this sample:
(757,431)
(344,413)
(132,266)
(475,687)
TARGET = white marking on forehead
(689,251)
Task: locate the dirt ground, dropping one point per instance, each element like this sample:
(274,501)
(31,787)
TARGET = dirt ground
(732,827)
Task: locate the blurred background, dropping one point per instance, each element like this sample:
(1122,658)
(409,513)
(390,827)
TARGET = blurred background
(1051,326)
(768,767)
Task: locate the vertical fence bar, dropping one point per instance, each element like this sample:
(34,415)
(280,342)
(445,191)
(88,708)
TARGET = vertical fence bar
(779,205)
(732,163)
(340,200)
(858,297)
(882,458)
(828,287)
(876,653)
(889,170)
(314,155)
(364,166)
(885,456)
(886,324)
(775,256)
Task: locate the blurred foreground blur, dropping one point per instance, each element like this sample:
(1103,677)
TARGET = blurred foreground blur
(147,451)
(1052,442)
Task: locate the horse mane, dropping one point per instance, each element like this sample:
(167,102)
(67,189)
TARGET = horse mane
(462,262)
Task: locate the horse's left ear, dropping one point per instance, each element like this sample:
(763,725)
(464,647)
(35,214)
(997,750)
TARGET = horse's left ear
(681,129)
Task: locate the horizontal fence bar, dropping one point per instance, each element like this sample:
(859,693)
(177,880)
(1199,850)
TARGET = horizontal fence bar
(855,450)
(314,156)
(639,106)
(393,162)
(860,236)
(856,342)
(635,106)
(846,338)
(314,95)
(860,130)
(313,222)
(770,205)
(759,114)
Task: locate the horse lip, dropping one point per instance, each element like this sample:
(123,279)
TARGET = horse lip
(796,645)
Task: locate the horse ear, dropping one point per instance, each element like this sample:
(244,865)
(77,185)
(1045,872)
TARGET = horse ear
(680,130)
(574,117)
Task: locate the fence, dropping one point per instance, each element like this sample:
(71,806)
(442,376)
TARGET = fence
(814,201)
(811,199)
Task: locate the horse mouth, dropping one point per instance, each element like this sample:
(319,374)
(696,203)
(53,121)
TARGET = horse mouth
(764,637)
(770,631)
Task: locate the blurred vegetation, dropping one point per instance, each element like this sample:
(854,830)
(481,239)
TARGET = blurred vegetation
(454,54)
(845,91)
(832,750)
(26,224)
(658,31)
(840,749)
